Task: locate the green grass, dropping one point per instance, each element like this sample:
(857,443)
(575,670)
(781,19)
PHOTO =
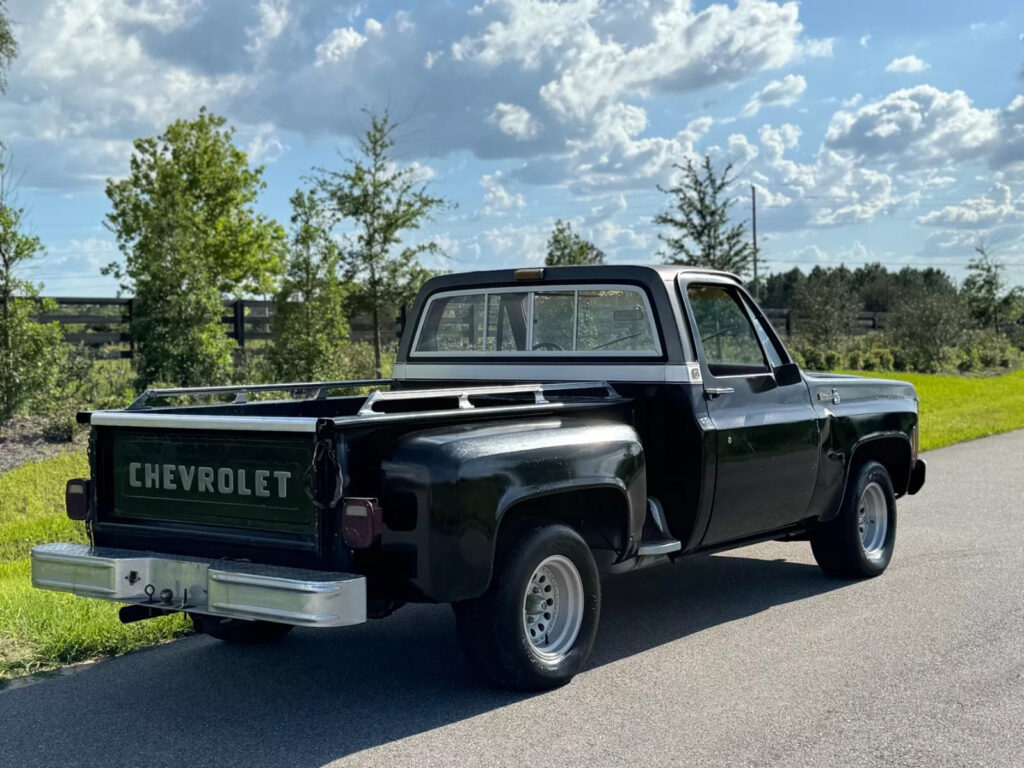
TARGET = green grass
(43,630)
(958,408)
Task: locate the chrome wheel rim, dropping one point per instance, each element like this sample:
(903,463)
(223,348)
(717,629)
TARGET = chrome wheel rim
(553,608)
(873,520)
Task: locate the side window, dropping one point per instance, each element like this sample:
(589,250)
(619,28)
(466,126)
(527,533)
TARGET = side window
(731,345)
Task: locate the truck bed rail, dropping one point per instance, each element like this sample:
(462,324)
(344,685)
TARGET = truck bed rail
(492,399)
(464,395)
(242,391)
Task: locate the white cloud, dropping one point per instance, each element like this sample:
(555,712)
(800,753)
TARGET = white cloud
(339,46)
(273,18)
(571,77)
(515,121)
(906,65)
(864,40)
(781,93)
(916,127)
(998,207)
(853,101)
(820,48)
(514,245)
(683,50)
(265,146)
(497,199)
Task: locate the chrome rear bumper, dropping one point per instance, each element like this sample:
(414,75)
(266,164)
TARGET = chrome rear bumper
(201,585)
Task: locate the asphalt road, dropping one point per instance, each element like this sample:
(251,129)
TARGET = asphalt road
(747,658)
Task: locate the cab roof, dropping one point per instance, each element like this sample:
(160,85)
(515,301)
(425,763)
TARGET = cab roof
(635,273)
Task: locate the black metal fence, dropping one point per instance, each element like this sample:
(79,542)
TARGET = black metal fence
(105,324)
(787,321)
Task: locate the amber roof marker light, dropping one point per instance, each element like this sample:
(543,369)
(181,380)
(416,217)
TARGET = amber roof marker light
(534,273)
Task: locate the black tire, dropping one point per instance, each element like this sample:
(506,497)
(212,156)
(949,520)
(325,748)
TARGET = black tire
(240,631)
(839,545)
(492,628)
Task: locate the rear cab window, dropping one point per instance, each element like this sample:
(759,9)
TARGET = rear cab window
(584,320)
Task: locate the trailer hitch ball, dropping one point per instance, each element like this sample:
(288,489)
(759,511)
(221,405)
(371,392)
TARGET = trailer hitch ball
(166,596)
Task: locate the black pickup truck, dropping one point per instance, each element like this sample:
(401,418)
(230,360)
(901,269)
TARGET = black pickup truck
(542,426)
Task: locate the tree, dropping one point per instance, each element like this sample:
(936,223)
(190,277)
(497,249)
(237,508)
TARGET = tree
(8,45)
(309,308)
(699,230)
(876,286)
(185,223)
(382,200)
(988,300)
(30,352)
(567,249)
(827,306)
(780,288)
(928,321)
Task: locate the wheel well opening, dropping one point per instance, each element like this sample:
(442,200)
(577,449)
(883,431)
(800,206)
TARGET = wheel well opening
(599,515)
(893,453)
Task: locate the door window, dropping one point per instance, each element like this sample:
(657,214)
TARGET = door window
(730,342)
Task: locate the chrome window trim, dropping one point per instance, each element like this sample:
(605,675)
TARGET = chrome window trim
(535,289)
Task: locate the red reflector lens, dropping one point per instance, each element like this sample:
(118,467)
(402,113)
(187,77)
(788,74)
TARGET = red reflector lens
(76,499)
(360,522)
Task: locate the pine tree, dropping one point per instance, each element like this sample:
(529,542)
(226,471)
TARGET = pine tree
(567,249)
(699,230)
(383,201)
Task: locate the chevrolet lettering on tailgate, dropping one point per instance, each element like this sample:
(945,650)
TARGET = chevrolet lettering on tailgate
(224,480)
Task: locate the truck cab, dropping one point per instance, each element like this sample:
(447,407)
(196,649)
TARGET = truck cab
(542,426)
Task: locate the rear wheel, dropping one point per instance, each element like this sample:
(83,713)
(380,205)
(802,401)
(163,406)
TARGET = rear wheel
(240,631)
(859,542)
(535,626)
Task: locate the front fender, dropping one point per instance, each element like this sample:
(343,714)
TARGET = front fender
(465,479)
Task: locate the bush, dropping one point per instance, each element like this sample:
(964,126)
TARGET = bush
(984,350)
(29,357)
(869,352)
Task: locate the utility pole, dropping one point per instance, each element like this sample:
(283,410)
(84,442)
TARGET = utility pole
(753,227)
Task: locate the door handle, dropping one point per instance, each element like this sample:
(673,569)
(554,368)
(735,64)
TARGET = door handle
(712,392)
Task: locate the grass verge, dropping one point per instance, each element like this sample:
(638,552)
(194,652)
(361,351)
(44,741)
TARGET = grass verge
(44,630)
(958,408)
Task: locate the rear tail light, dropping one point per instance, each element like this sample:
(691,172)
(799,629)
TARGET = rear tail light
(76,499)
(361,522)
(914,442)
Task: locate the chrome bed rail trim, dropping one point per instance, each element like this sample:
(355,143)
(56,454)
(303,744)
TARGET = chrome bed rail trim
(153,419)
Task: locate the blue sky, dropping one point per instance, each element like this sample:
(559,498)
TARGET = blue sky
(873,131)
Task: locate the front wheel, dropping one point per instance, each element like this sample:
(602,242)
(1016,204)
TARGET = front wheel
(859,542)
(535,626)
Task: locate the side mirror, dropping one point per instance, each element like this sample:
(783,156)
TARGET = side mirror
(788,373)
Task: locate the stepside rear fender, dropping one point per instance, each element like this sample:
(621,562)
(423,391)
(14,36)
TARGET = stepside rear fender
(463,482)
